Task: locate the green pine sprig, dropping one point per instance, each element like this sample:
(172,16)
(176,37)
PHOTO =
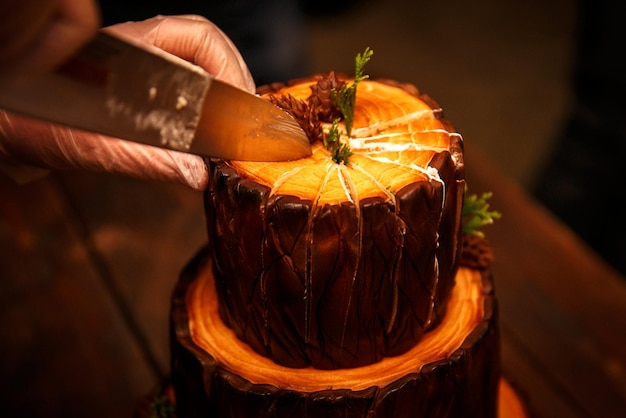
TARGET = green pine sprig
(340,151)
(161,407)
(476,213)
(345,97)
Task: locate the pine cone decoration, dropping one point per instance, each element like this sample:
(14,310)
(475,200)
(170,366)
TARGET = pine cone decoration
(301,111)
(321,100)
(476,252)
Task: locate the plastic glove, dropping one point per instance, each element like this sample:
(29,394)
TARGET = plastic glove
(40,144)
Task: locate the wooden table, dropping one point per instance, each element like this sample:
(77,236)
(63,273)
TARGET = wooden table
(88,263)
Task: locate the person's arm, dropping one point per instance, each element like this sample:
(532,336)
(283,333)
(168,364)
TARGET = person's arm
(26,141)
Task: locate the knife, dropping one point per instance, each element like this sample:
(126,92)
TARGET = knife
(122,88)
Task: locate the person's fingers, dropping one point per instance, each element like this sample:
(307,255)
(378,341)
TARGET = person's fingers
(56,30)
(194,39)
(41,144)
(190,37)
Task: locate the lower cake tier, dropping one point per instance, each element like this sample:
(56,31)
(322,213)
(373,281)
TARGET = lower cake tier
(454,371)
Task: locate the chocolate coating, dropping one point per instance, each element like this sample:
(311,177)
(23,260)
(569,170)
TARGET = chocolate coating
(334,286)
(464,384)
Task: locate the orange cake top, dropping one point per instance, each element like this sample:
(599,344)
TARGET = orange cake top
(395,135)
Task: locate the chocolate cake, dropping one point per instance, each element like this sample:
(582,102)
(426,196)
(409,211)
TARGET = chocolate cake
(332,285)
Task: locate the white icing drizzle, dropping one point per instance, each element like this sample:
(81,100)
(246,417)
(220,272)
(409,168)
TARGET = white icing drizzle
(405,119)
(309,256)
(457,155)
(369,142)
(433,293)
(378,184)
(284,178)
(352,195)
(264,295)
(361,144)
(347,184)
(401,232)
(431,172)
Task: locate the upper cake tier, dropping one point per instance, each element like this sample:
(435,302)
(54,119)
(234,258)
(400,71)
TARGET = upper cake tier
(341,264)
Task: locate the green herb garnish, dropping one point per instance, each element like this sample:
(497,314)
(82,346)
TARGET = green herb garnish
(476,213)
(161,407)
(345,97)
(340,151)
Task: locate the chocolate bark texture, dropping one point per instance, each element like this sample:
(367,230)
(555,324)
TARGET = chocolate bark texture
(342,290)
(336,285)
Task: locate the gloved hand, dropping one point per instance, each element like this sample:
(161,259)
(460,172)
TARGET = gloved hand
(193,38)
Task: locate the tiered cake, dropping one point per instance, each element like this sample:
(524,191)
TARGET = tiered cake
(333,285)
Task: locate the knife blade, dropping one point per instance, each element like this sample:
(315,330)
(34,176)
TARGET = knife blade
(122,88)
